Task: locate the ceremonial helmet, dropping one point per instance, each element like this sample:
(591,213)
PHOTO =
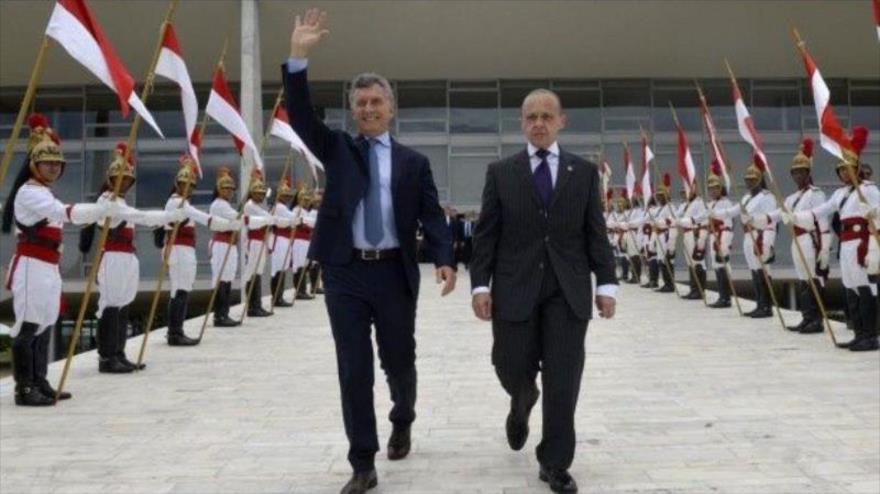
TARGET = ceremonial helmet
(224,178)
(851,156)
(43,144)
(803,160)
(663,190)
(120,166)
(257,186)
(188,173)
(303,196)
(754,172)
(715,179)
(284,189)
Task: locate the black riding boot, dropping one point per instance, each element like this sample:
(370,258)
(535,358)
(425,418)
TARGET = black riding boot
(723,301)
(757,283)
(315,279)
(27,393)
(866,332)
(624,268)
(255,306)
(666,273)
(41,366)
(299,282)
(635,272)
(765,305)
(108,332)
(812,322)
(854,316)
(278,290)
(123,338)
(221,307)
(176,317)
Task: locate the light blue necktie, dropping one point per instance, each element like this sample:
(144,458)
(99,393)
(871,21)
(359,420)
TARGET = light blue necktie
(373,202)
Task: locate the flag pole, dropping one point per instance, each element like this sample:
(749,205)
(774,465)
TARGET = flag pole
(169,243)
(287,255)
(751,232)
(117,186)
(726,263)
(633,236)
(691,266)
(234,238)
(661,248)
(36,73)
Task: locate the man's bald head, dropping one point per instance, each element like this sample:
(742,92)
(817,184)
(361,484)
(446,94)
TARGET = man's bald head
(542,117)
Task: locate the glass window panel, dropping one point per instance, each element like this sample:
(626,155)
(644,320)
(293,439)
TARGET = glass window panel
(467,175)
(776,105)
(865,101)
(421,107)
(582,109)
(626,104)
(473,112)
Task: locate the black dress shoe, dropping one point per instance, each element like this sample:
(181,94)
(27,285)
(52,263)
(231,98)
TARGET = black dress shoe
(798,327)
(720,304)
(225,322)
(360,482)
(864,345)
(27,395)
(665,289)
(845,344)
(517,424)
(113,366)
(258,312)
(283,303)
(399,443)
(812,327)
(304,296)
(559,480)
(692,296)
(761,313)
(133,365)
(49,391)
(181,340)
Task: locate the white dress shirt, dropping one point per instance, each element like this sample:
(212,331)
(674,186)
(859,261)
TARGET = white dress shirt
(389,240)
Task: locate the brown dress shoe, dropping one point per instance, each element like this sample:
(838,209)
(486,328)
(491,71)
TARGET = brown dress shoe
(399,443)
(360,482)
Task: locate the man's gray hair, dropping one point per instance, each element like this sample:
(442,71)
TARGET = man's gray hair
(369,79)
(540,93)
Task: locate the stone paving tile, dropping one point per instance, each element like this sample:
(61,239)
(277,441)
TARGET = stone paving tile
(675,399)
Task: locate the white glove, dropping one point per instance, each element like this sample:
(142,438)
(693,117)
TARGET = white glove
(746,218)
(786,217)
(872,213)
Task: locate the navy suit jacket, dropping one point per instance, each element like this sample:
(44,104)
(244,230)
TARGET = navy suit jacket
(413,192)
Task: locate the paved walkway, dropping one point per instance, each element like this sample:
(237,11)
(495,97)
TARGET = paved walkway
(676,399)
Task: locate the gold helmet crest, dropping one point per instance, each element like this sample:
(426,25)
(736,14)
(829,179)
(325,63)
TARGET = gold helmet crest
(120,166)
(188,173)
(803,160)
(224,178)
(258,185)
(284,189)
(851,156)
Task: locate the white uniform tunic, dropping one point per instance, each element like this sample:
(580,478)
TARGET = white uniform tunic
(853,250)
(282,255)
(763,229)
(694,226)
(119,273)
(633,235)
(256,236)
(221,243)
(814,238)
(720,241)
(665,235)
(303,235)
(182,257)
(33,276)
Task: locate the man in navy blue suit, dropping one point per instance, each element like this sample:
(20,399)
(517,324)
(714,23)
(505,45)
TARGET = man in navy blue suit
(377,192)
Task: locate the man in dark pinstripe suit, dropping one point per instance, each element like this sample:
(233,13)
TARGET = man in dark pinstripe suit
(540,236)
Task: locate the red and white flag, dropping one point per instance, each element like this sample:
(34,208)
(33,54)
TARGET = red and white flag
(747,129)
(877,17)
(281,128)
(647,157)
(171,65)
(631,186)
(686,169)
(223,108)
(74,27)
(605,175)
(715,145)
(832,137)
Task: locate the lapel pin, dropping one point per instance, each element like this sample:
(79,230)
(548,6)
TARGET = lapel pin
(570,168)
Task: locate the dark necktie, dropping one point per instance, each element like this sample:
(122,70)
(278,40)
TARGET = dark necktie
(543,179)
(373,230)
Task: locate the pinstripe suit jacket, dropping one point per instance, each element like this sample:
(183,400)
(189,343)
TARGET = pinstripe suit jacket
(515,239)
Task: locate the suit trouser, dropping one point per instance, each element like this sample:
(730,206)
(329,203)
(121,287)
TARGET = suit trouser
(359,295)
(552,339)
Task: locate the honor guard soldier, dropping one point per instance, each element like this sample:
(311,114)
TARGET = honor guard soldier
(634,241)
(302,237)
(753,211)
(223,246)
(857,243)
(617,227)
(282,255)
(720,236)
(119,272)
(814,240)
(33,276)
(665,236)
(182,254)
(646,229)
(694,226)
(255,258)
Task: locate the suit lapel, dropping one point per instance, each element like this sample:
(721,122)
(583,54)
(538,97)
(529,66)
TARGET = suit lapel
(563,174)
(525,170)
(360,148)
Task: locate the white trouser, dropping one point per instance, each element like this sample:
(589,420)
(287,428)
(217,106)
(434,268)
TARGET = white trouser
(668,239)
(632,248)
(282,257)
(300,253)
(254,249)
(691,244)
(182,268)
(852,273)
(36,293)
(218,253)
(726,241)
(749,248)
(118,279)
(809,250)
